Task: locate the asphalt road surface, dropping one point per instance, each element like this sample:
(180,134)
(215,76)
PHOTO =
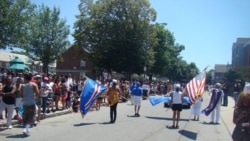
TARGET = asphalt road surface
(152,125)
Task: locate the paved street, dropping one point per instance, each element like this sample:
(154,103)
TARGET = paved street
(151,126)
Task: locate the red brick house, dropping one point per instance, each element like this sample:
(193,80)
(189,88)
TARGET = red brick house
(74,64)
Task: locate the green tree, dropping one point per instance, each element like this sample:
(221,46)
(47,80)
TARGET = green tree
(117,33)
(162,50)
(14,15)
(48,36)
(209,78)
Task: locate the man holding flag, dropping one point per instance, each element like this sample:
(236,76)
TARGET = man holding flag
(214,104)
(91,91)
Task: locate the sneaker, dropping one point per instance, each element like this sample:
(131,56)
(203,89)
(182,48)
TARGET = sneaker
(26,132)
(211,122)
(10,127)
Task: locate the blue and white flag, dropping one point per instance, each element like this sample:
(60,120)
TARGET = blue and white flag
(154,100)
(91,91)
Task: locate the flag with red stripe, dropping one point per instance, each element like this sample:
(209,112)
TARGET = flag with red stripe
(195,87)
(91,91)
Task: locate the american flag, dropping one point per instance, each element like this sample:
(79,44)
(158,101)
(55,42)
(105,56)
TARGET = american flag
(195,87)
(91,91)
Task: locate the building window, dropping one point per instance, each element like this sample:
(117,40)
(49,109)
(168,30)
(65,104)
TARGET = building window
(83,63)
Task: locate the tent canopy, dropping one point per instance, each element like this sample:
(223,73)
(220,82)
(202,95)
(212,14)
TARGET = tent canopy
(19,67)
(16,60)
(18,64)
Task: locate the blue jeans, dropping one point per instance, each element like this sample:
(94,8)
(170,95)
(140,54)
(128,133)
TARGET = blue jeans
(225,99)
(44,104)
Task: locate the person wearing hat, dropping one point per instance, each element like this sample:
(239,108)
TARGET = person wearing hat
(45,90)
(176,105)
(217,94)
(113,99)
(137,92)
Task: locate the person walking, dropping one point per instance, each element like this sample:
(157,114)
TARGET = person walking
(241,118)
(29,92)
(8,101)
(176,105)
(137,97)
(113,99)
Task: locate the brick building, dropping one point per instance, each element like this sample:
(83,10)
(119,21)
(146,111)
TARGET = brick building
(75,64)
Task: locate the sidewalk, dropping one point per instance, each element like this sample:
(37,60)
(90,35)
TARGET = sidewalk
(227,115)
(48,115)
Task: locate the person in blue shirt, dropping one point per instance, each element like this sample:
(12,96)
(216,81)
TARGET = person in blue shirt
(137,96)
(132,86)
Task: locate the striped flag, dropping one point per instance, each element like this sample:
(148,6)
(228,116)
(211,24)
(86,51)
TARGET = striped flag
(196,86)
(216,97)
(91,91)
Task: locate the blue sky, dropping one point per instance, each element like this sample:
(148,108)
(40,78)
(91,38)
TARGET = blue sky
(207,28)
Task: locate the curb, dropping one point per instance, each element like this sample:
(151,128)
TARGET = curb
(50,115)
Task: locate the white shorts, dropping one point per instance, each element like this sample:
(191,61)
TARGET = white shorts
(137,100)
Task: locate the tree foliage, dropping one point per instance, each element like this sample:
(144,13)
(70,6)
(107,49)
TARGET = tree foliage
(117,33)
(14,15)
(48,36)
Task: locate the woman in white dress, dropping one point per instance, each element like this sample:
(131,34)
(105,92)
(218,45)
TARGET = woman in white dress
(196,107)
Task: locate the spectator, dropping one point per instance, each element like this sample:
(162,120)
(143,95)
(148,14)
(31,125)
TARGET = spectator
(8,101)
(237,89)
(17,87)
(57,93)
(225,89)
(45,90)
(241,118)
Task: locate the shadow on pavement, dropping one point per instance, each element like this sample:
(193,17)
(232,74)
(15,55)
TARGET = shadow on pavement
(164,118)
(17,136)
(188,134)
(82,124)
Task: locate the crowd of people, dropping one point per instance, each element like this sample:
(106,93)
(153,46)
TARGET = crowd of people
(41,93)
(25,94)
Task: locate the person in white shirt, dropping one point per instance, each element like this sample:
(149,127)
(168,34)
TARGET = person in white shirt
(176,105)
(45,90)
